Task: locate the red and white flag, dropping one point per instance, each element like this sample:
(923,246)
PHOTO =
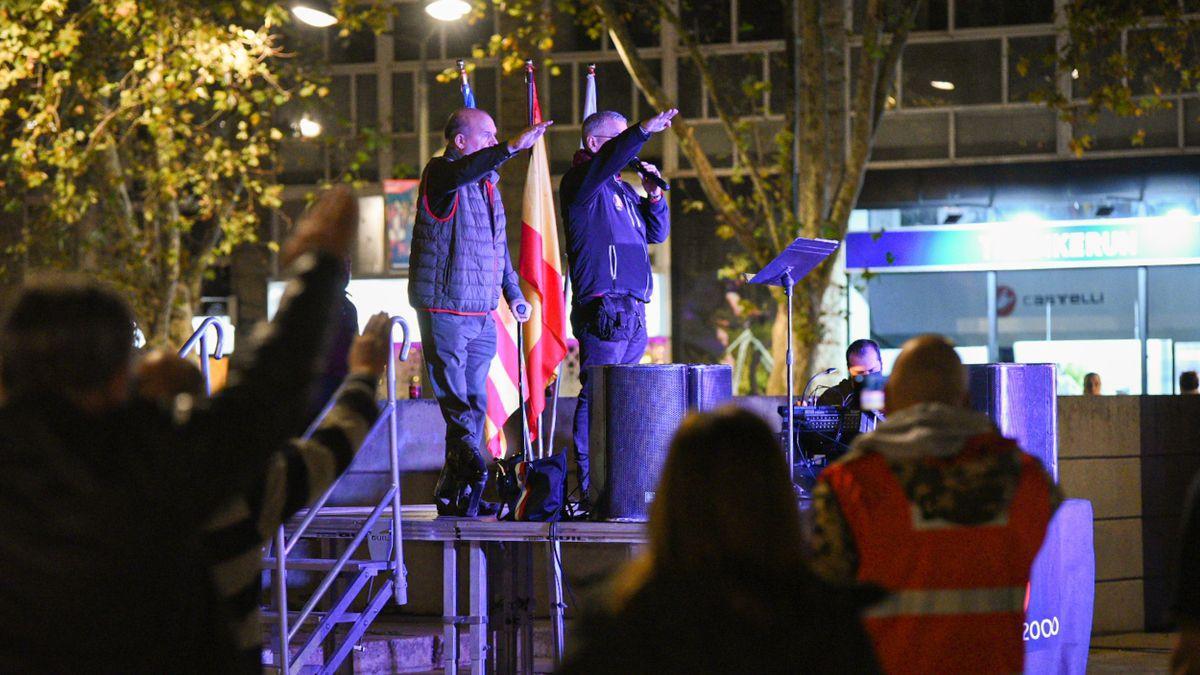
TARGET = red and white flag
(541,274)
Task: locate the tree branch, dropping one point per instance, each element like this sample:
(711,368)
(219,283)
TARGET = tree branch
(740,147)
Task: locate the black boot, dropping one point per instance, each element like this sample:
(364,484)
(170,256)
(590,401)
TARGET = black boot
(448,492)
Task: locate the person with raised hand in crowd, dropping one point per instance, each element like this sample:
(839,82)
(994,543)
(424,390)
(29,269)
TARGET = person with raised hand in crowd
(459,268)
(723,586)
(102,503)
(941,511)
(296,475)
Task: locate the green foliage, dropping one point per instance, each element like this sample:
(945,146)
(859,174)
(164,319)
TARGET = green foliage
(1124,58)
(139,139)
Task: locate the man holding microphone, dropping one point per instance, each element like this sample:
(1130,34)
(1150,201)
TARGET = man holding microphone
(609,227)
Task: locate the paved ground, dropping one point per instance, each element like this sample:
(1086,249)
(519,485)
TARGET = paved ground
(1131,653)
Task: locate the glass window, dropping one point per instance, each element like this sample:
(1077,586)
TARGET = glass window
(691,91)
(980,13)
(366,100)
(932,15)
(562,109)
(462,36)
(779,99)
(358,47)
(643,106)
(761,20)
(335,113)
(405,153)
(951,73)
(614,89)
(715,142)
(1112,132)
(1083,320)
(483,85)
(1008,132)
(708,20)
(1191,121)
(444,98)
(301,161)
(403,103)
(912,137)
(412,25)
(735,73)
(900,307)
(1038,55)
(1173,296)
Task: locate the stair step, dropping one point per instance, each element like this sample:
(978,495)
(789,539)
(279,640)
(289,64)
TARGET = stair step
(320,564)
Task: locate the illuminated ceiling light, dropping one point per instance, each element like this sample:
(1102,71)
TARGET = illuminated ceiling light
(942,84)
(1074,73)
(317,18)
(308,127)
(447,10)
(1027,217)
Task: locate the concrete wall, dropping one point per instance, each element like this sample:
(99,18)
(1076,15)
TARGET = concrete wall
(1133,458)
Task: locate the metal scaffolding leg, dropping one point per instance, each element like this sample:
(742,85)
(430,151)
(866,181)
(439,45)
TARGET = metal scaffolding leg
(554,555)
(479,609)
(449,608)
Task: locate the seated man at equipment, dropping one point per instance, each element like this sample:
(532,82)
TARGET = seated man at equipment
(944,513)
(862,358)
(1189,383)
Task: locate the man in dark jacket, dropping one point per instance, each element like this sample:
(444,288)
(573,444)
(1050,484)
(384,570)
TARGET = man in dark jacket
(609,227)
(102,502)
(459,266)
(862,358)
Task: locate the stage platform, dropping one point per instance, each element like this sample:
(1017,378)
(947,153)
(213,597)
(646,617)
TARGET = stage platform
(489,542)
(421,523)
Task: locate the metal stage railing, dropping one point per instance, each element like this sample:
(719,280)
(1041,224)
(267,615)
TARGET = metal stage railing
(396,585)
(199,341)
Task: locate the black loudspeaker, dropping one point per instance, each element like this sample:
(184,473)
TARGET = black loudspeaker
(1021,398)
(635,410)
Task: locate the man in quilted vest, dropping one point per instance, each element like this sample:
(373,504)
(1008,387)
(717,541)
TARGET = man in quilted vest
(458,269)
(945,514)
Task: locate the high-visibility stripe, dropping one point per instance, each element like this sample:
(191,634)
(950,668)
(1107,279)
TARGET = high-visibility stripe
(940,602)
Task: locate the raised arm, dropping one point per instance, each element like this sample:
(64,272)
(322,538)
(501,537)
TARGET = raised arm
(226,443)
(444,175)
(614,155)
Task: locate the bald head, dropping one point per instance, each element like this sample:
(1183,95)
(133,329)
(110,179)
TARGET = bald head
(927,371)
(470,130)
(161,376)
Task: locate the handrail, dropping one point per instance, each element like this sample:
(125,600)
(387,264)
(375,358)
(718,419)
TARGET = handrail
(200,335)
(283,545)
(400,582)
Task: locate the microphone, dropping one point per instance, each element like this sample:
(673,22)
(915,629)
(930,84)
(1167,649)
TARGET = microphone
(827,371)
(636,165)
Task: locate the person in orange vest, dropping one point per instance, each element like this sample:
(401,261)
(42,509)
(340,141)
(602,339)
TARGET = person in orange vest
(939,509)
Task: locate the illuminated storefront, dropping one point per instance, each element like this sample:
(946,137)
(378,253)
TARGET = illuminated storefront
(1116,296)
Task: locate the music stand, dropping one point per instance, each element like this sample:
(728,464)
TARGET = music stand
(798,259)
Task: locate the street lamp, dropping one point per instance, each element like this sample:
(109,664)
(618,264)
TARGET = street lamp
(308,127)
(313,16)
(447,10)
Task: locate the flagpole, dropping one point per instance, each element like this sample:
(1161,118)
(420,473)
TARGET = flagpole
(558,378)
(521,356)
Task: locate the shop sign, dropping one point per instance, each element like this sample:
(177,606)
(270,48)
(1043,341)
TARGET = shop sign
(1125,242)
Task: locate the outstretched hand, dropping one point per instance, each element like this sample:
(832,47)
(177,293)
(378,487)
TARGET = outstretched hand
(526,139)
(660,122)
(330,226)
(370,352)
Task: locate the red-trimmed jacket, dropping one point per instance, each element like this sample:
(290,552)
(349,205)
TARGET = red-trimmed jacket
(957,592)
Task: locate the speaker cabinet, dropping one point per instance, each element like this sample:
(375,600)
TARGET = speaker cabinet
(1021,400)
(635,411)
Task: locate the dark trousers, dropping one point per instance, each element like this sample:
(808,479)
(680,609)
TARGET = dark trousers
(610,330)
(458,351)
